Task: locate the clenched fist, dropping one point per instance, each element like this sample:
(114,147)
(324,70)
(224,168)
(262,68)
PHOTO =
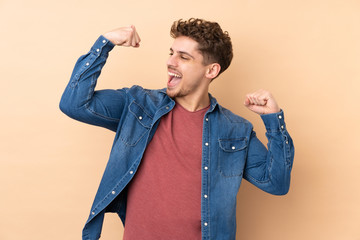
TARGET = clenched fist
(124,36)
(261,102)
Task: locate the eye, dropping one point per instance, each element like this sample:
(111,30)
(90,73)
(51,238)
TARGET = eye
(184,57)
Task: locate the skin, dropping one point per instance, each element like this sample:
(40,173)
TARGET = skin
(190,87)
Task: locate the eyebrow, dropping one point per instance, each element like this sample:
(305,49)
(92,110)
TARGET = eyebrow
(182,52)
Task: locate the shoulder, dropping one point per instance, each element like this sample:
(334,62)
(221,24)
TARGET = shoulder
(151,99)
(138,92)
(232,117)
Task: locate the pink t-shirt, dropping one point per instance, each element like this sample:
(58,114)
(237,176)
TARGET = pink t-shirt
(164,198)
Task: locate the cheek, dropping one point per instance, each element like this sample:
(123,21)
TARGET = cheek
(196,71)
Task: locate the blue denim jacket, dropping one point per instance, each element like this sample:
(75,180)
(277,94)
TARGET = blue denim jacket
(231,151)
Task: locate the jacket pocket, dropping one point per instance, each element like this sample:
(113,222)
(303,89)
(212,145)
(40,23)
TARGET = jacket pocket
(232,154)
(136,124)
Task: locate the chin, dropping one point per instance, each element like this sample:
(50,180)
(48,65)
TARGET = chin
(177,91)
(171,93)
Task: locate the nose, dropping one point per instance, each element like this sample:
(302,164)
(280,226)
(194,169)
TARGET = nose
(172,61)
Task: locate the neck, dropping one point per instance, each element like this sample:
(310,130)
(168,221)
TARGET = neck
(192,103)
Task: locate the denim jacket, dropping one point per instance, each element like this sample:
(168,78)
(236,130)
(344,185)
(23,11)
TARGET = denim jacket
(231,151)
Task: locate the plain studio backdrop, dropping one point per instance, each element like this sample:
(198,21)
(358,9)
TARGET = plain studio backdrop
(307,53)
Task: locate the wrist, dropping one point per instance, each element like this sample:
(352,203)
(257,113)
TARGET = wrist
(109,37)
(273,111)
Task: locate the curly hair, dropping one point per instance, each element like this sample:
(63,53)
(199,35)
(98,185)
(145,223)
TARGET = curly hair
(214,44)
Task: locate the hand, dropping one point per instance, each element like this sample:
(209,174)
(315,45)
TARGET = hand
(124,36)
(261,102)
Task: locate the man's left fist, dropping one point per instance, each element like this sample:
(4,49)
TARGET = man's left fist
(261,102)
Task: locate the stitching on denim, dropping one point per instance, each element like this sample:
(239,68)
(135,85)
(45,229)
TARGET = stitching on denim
(271,160)
(99,115)
(273,131)
(87,106)
(134,102)
(99,204)
(91,88)
(86,233)
(85,68)
(255,180)
(268,168)
(287,148)
(104,57)
(244,139)
(205,203)
(231,176)
(219,158)
(207,210)
(146,128)
(109,194)
(224,110)
(136,142)
(74,82)
(270,142)
(90,94)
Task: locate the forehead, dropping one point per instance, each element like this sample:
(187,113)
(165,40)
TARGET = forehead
(185,44)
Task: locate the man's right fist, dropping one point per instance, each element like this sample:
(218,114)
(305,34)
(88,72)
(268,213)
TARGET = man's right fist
(124,36)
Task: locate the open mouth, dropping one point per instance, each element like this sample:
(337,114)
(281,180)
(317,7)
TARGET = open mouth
(174,79)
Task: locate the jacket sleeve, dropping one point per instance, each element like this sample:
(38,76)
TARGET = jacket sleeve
(81,102)
(269,169)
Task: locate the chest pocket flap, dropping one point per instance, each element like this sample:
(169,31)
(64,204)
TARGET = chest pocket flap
(141,115)
(137,123)
(232,155)
(233,145)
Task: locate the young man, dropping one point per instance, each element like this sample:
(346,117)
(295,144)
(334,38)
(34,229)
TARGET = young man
(178,157)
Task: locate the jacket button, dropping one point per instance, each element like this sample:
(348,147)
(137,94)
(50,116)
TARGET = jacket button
(113,192)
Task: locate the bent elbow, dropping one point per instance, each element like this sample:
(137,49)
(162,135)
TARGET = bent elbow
(65,107)
(68,109)
(282,192)
(281,189)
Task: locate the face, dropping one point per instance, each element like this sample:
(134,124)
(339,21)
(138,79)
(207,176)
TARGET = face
(186,71)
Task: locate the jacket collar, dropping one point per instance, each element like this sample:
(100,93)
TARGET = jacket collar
(213,101)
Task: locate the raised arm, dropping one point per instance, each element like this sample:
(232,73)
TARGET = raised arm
(124,36)
(80,100)
(269,169)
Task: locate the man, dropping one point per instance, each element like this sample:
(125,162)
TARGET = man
(178,157)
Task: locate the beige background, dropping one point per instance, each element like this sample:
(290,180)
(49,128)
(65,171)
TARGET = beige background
(307,53)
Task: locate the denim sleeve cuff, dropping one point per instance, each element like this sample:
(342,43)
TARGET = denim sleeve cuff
(274,122)
(102,46)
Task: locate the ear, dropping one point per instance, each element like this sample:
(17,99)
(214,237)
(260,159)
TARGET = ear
(213,70)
